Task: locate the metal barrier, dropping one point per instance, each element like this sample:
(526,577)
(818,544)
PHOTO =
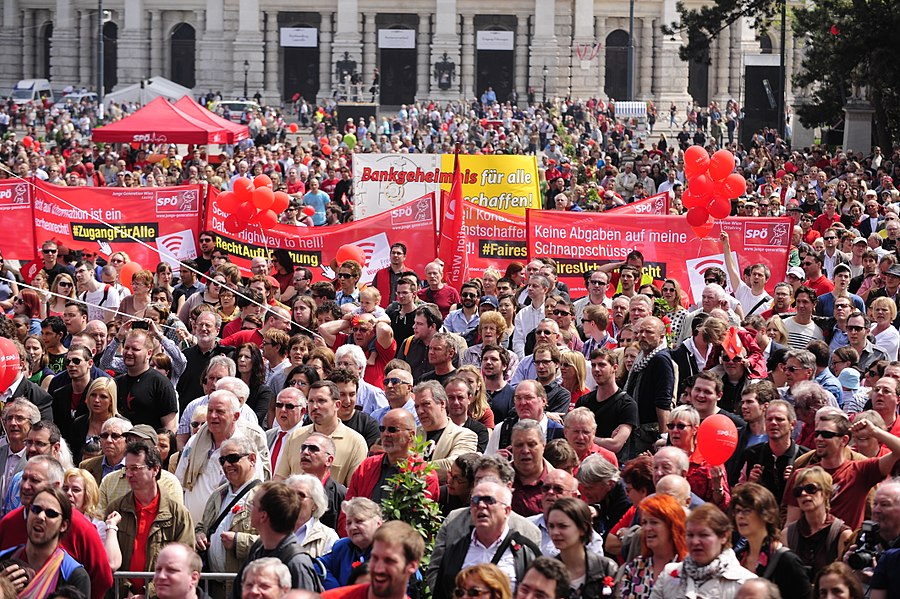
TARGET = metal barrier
(205,578)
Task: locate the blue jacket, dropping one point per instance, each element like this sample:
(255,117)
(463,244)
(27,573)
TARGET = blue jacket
(339,562)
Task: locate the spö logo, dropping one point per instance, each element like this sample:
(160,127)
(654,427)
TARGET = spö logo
(176,201)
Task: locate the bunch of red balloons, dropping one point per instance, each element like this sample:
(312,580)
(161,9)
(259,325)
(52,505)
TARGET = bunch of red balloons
(712,184)
(324,146)
(252,202)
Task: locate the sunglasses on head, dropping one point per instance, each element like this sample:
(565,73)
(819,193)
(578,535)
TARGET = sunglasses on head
(809,489)
(231,458)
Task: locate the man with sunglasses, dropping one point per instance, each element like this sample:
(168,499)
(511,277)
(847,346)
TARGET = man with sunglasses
(465,319)
(70,401)
(207,246)
(49,255)
(225,527)
(102,300)
(290,409)
(853,478)
(375,338)
(316,458)
(596,282)
(858,338)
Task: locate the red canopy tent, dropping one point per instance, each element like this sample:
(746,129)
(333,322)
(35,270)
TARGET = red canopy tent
(190,107)
(161,122)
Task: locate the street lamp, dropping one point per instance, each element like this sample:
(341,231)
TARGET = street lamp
(246,71)
(545,71)
(100,51)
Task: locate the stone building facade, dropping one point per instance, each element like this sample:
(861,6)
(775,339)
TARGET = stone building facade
(439,49)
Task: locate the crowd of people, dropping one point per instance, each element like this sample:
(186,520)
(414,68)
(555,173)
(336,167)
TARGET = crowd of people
(246,423)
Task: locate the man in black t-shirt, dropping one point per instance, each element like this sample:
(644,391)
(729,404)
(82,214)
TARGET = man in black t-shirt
(145,395)
(614,410)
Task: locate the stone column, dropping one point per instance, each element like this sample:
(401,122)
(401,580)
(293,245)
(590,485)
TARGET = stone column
(423,66)
(29,35)
(370,48)
(157,46)
(545,49)
(600,28)
(64,49)
(789,54)
(272,91)
(521,78)
(11,37)
(347,36)
(858,126)
(132,45)
(583,80)
(735,68)
(645,73)
(87,51)
(211,47)
(673,71)
(723,59)
(467,69)
(445,39)
(325,59)
(249,46)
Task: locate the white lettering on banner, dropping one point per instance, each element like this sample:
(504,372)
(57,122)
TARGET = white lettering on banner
(495,40)
(299,37)
(402,39)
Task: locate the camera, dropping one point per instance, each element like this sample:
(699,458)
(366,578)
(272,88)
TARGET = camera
(867,549)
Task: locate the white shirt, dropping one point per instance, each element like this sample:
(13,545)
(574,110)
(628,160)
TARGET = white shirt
(479,554)
(700,358)
(526,321)
(216,551)
(547,546)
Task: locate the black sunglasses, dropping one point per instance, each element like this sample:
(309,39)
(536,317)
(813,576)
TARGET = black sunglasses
(391,429)
(345,275)
(38,510)
(287,406)
(809,489)
(679,425)
(232,458)
(828,434)
(75,361)
(113,436)
(310,448)
(472,592)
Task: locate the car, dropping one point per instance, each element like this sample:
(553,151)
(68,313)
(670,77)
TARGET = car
(234,110)
(31,90)
(75,99)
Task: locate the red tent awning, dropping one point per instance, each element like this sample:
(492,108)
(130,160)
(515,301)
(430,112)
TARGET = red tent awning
(161,122)
(190,107)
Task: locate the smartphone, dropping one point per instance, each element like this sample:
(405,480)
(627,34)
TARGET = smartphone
(140,324)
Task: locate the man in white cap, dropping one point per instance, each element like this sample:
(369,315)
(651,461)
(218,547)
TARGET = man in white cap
(795,277)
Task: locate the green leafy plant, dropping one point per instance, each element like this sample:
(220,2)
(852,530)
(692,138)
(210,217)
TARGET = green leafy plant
(406,501)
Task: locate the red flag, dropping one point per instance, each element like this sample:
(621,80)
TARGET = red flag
(452,245)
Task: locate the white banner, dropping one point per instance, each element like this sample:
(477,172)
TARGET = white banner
(495,40)
(404,39)
(299,37)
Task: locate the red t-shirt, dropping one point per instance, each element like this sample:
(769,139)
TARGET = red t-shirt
(374,372)
(821,285)
(230,328)
(443,298)
(356,591)
(852,483)
(146,514)
(242,337)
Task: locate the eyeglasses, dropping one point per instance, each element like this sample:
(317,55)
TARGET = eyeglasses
(709,281)
(468,295)
(113,436)
(394,381)
(543,332)
(561,313)
(38,510)
(391,429)
(117,261)
(38,444)
(135,469)
(64,284)
(558,489)
(310,448)
(485,499)
(679,425)
(49,251)
(795,368)
(668,290)
(215,284)
(827,434)
(231,458)
(345,275)
(470,592)
(809,489)
(195,424)
(726,358)
(297,383)
(74,361)
(830,237)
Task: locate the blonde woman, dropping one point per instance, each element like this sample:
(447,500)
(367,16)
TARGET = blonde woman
(884,311)
(81,488)
(489,279)
(136,304)
(101,403)
(479,409)
(62,291)
(776,330)
(573,368)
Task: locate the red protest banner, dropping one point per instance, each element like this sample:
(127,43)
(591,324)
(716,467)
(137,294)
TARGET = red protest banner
(581,241)
(656,204)
(110,219)
(411,223)
(18,241)
(451,246)
(492,238)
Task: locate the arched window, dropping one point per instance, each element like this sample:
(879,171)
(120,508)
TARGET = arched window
(184,42)
(617,65)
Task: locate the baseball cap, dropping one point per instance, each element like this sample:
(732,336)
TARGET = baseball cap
(849,378)
(894,270)
(489,299)
(871,192)
(145,432)
(859,240)
(797,272)
(842,268)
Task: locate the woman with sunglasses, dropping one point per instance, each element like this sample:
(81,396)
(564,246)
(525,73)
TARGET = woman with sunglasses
(662,543)
(484,581)
(62,291)
(675,300)
(101,404)
(28,303)
(755,514)
(708,482)
(571,529)
(817,537)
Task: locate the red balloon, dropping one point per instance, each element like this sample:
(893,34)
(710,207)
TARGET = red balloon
(350,252)
(127,272)
(323,141)
(692,200)
(243,189)
(267,219)
(263,198)
(245,212)
(309,211)
(262,181)
(702,186)
(228,202)
(282,200)
(704,229)
(720,208)
(233,225)
(326,149)
(9,362)
(27,141)
(293,128)
(697,215)
(717,439)
(696,161)
(721,165)
(735,185)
